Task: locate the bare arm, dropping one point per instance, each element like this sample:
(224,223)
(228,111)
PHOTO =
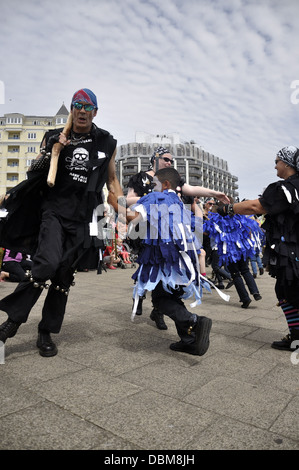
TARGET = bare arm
(132,197)
(113,184)
(200,191)
(249,207)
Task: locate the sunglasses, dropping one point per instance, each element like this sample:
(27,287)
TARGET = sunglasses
(87,107)
(166,159)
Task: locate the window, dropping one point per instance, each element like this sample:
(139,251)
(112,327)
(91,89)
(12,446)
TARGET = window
(12,163)
(61,120)
(12,177)
(31,149)
(15,120)
(31,135)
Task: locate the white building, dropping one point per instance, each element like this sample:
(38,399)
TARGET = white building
(197,166)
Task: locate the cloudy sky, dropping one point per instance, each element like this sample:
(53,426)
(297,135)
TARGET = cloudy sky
(224,73)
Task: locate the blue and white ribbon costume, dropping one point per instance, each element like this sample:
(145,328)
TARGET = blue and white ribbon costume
(170,247)
(235,237)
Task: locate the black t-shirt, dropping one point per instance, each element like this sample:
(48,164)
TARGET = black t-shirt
(67,197)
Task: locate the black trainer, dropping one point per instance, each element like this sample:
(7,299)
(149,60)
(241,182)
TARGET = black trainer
(8,329)
(157,317)
(45,344)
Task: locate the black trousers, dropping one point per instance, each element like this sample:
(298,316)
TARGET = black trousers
(16,270)
(58,245)
(172,305)
(240,270)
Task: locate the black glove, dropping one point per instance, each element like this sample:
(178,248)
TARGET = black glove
(222,210)
(53,139)
(226,209)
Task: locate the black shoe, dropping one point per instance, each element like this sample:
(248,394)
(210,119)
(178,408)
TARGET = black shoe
(257,296)
(246,304)
(139,306)
(45,344)
(157,317)
(184,347)
(8,329)
(254,276)
(201,344)
(220,285)
(261,271)
(202,335)
(284,344)
(229,284)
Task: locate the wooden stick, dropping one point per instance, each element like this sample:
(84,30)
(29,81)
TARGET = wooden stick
(56,149)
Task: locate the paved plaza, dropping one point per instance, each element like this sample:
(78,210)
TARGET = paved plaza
(116,385)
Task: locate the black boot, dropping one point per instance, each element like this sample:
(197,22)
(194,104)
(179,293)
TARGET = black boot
(157,317)
(45,344)
(8,329)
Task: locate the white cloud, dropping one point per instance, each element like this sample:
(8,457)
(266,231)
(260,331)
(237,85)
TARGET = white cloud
(217,72)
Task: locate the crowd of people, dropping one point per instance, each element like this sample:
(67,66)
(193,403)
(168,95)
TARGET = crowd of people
(53,230)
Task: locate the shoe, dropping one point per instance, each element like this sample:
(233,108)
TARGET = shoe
(184,347)
(285,344)
(157,317)
(139,307)
(229,284)
(219,286)
(202,334)
(110,267)
(246,304)
(257,296)
(201,344)
(261,271)
(254,276)
(45,344)
(8,329)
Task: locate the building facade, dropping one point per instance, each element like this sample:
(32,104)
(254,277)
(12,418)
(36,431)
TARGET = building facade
(20,139)
(197,166)
(21,136)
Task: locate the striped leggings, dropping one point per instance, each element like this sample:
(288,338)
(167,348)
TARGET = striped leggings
(291,314)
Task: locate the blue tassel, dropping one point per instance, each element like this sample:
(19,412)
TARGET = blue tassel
(235,237)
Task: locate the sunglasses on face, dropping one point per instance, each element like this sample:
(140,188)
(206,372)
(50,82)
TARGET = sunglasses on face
(166,159)
(87,107)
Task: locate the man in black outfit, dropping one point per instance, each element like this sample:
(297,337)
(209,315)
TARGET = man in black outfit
(63,214)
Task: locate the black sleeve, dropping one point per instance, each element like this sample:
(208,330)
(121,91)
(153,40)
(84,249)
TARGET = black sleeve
(274,200)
